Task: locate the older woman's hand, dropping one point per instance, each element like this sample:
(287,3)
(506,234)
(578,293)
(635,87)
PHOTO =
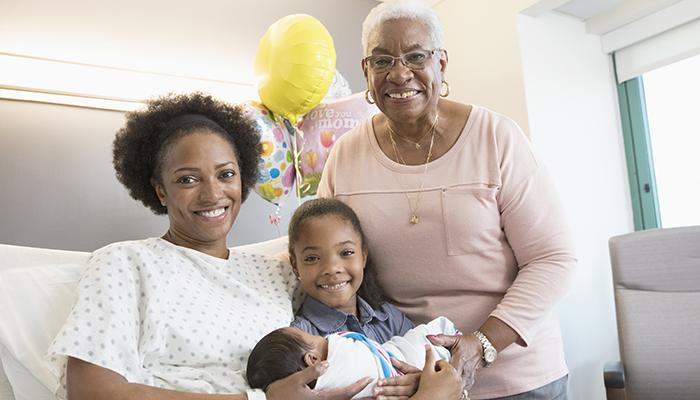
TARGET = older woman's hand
(296,386)
(466,355)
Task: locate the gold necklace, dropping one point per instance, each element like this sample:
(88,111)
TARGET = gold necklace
(399,158)
(417,144)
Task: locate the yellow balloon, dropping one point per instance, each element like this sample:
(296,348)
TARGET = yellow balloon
(294,65)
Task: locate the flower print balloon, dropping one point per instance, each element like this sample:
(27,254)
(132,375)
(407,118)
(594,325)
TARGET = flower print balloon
(276,160)
(321,129)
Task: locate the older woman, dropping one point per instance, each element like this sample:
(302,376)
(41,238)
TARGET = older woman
(175,317)
(460,214)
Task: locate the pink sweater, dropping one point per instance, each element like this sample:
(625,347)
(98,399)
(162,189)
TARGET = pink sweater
(492,240)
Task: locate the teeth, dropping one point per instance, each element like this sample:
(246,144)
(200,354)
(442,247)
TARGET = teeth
(336,286)
(402,95)
(212,213)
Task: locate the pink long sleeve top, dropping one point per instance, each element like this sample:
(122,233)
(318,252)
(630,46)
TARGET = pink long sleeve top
(492,240)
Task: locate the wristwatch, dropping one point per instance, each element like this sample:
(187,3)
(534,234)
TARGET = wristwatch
(490,352)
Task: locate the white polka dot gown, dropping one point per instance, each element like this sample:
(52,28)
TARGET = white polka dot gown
(172,317)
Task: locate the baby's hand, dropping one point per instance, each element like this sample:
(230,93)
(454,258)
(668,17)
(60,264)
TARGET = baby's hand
(398,387)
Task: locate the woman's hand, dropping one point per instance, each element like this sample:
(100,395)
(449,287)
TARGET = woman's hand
(296,386)
(466,355)
(398,387)
(439,380)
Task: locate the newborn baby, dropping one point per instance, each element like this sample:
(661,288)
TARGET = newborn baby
(351,355)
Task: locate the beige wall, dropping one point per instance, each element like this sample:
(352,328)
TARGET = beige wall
(485,68)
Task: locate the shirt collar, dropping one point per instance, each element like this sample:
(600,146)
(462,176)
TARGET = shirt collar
(328,319)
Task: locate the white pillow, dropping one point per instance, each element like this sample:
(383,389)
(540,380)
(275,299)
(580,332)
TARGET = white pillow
(23,384)
(273,247)
(36,293)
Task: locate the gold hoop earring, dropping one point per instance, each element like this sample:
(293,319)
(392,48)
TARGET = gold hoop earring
(367,97)
(447,93)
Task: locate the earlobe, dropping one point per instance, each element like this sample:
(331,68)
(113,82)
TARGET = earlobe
(364,258)
(159,191)
(293,263)
(310,359)
(443,63)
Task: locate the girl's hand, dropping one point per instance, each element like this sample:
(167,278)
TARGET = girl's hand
(296,386)
(466,355)
(439,380)
(398,387)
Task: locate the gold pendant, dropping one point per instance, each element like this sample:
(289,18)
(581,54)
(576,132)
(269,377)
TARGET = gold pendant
(414,219)
(417,146)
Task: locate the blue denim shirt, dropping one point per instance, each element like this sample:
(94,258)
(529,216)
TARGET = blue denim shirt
(380,325)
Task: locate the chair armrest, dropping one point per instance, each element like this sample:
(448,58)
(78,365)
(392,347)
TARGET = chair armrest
(614,375)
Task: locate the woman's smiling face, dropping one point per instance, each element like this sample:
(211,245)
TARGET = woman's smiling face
(329,261)
(405,94)
(201,187)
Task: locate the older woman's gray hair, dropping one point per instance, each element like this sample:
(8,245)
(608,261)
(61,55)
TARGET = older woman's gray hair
(395,9)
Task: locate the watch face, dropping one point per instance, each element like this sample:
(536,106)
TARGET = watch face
(490,355)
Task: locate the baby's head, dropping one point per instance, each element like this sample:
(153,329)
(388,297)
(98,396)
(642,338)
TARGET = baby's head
(328,252)
(281,353)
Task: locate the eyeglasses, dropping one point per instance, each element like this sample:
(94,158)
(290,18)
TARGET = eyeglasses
(414,60)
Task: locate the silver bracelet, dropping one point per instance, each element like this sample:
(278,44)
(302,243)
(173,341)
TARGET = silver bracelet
(256,394)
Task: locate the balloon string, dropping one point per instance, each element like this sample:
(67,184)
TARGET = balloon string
(297,154)
(296,133)
(275,219)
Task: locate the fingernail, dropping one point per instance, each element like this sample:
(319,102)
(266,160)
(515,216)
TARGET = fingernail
(430,336)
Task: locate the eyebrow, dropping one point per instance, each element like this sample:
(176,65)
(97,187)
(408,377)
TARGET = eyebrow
(218,166)
(381,50)
(318,247)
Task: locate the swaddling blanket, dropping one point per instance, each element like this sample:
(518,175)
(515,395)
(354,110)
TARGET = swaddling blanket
(352,356)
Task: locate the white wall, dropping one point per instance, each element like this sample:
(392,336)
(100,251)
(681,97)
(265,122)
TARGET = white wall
(554,80)
(574,126)
(216,39)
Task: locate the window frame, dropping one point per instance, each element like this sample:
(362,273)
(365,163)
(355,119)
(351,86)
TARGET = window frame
(638,153)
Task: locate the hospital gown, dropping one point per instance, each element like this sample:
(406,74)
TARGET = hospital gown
(173,317)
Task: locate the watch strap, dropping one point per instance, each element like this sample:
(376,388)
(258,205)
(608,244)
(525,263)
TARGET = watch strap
(486,347)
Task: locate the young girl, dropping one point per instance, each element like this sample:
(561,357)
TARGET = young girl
(328,253)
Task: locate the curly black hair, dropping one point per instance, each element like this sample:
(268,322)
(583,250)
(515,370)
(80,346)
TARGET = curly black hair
(370,290)
(140,146)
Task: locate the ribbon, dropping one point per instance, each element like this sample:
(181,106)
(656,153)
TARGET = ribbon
(296,148)
(276,219)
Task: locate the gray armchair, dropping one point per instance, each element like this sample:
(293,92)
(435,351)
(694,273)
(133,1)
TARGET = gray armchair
(656,274)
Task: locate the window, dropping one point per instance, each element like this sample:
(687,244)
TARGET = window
(661,143)
(673,105)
